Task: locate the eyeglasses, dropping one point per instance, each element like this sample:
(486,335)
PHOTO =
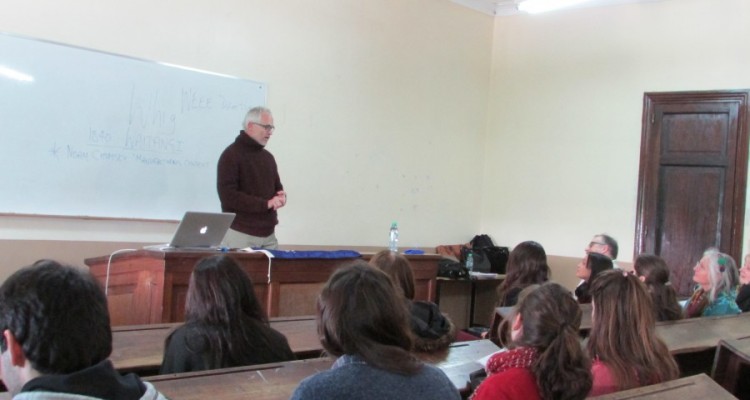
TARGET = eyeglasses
(266,127)
(599,243)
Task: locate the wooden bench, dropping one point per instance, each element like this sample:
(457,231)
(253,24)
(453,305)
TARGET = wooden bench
(140,348)
(278,381)
(732,366)
(697,387)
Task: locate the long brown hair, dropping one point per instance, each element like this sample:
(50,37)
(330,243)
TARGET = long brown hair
(397,267)
(361,313)
(551,319)
(222,311)
(623,333)
(527,265)
(655,273)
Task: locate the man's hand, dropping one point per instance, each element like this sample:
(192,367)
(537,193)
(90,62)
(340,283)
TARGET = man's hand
(277,201)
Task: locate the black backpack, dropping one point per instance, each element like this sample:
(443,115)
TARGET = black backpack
(448,268)
(487,257)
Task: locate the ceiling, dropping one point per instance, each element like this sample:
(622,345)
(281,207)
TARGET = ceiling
(509,7)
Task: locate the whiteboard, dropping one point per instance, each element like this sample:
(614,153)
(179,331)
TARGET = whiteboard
(86,133)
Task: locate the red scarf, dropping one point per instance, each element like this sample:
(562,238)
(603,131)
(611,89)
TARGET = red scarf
(521,357)
(698,302)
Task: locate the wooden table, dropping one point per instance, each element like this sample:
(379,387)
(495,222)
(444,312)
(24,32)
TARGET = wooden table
(259,382)
(149,286)
(278,381)
(693,341)
(140,348)
(732,366)
(697,387)
(468,302)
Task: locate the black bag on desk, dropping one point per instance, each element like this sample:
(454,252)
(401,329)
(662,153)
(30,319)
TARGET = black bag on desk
(480,259)
(498,257)
(448,268)
(491,258)
(481,241)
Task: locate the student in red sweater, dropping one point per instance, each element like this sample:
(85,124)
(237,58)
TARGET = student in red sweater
(547,361)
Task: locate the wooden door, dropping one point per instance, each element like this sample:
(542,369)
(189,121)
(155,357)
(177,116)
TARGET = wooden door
(692,179)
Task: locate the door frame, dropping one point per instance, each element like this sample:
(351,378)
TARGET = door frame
(650,155)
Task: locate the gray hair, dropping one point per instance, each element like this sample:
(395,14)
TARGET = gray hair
(611,242)
(722,272)
(253,115)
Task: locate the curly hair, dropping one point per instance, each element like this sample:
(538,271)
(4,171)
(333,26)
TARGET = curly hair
(551,319)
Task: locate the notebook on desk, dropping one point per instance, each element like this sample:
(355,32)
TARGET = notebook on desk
(201,230)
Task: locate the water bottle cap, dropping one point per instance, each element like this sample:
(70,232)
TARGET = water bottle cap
(394,224)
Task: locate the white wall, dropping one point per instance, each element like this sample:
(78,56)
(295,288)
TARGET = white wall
(387,109)
(380,106)
(565,110)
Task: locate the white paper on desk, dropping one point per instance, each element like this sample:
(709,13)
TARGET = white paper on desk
(483,275)
(485,359)
(252,250)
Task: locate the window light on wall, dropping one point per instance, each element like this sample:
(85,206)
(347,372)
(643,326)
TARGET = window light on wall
(539,6)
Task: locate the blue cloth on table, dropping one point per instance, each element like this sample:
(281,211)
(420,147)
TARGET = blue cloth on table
(413,252)
(315,254)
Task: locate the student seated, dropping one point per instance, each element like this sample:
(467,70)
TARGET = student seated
(433,331)
(225,325)
(589,268)
(527,265)
(717,279)
(653,271)
(743,292)
(623,345)
(56,338)
(363,320)
(547,361)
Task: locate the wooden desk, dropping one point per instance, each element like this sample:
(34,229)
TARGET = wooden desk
(732,366)
(278,381)
(140,348)
(149,286)
(260,382)
(468,302)
(697,387)
(693,341)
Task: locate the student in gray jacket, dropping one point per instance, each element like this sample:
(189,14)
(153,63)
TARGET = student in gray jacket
(364,321)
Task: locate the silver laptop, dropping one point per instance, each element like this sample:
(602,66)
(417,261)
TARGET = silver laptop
(201,230)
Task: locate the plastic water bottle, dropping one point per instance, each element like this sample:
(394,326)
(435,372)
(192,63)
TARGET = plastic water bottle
(393,237)
(470,261)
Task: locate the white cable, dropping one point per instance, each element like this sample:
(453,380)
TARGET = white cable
(269,256)
(109,263)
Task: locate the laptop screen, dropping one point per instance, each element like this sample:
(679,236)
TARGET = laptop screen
(201,229)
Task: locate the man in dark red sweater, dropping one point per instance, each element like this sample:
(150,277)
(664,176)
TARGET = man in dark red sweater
(249,185)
